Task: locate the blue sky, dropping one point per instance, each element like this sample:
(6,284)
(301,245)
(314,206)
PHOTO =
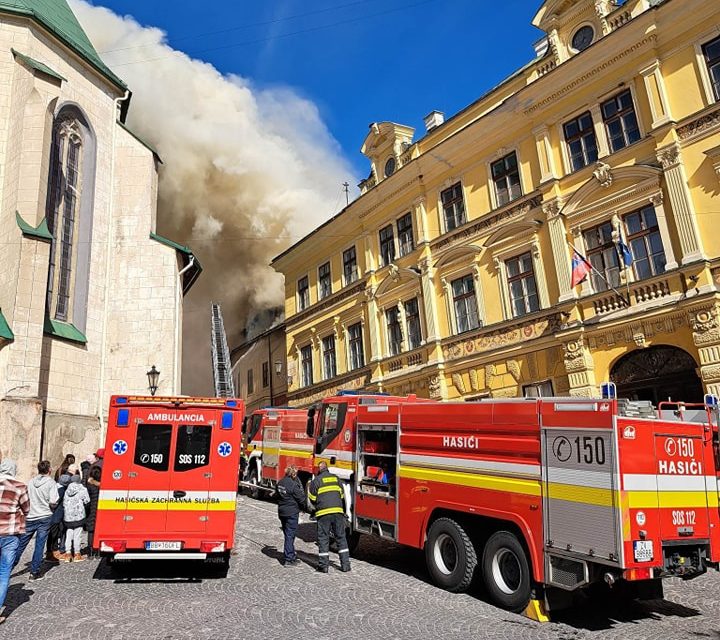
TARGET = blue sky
(359,60)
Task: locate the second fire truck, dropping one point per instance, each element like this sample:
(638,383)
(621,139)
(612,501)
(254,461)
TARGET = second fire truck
(273,439)
(535,497)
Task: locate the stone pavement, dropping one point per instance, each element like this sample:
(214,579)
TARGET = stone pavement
(386,597)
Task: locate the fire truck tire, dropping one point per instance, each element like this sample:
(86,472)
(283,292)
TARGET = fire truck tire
(353,540)
(506,572)
(253,479)
(450,555)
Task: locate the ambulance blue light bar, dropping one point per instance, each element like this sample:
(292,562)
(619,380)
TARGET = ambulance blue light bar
(123,418)
(231,403)
(608,391)
(227,420)
(121,400)
(711,401)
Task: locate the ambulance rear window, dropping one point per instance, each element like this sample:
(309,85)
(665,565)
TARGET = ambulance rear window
(193,447)
(152,446)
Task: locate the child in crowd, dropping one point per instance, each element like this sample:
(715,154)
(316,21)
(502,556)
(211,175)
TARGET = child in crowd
(76,497)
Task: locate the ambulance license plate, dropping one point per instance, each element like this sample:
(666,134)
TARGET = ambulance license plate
(163,546)
(643,550)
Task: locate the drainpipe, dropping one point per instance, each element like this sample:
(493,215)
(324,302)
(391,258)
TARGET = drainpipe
(109,247)
(178,304)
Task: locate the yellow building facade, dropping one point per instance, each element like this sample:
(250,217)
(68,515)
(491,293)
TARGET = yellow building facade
(451,276)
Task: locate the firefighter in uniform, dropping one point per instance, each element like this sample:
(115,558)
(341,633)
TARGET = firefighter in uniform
(326,494)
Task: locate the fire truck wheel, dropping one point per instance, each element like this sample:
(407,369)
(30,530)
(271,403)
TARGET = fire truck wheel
(353,540)
(450,555)
(253,479)
(506,572)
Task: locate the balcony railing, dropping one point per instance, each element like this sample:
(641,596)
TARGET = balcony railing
(640,293)
(403,361)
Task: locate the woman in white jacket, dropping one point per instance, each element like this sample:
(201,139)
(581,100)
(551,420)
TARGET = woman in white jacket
(76,497)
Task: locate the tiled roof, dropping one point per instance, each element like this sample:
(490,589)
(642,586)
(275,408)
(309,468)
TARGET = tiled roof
(58,18)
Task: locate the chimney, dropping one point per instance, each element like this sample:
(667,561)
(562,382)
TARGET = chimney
(433,119)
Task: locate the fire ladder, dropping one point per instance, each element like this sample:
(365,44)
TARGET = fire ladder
(222,373)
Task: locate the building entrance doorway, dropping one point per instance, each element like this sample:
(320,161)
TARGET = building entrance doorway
(657,373)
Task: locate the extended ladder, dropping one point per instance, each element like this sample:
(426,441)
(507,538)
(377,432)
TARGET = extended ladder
(222,374)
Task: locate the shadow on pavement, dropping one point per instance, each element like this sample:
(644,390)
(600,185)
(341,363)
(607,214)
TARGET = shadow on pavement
(17,596)
(277,555)
(601,614)
(159,571)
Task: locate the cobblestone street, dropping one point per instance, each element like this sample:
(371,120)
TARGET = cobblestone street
(386,596)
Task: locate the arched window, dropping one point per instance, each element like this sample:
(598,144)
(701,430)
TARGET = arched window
(69,212)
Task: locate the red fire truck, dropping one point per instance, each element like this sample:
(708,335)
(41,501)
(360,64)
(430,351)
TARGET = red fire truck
(535,497)
(169,479)
(274,439)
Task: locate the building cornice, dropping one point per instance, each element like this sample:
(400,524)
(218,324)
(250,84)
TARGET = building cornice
(326,303)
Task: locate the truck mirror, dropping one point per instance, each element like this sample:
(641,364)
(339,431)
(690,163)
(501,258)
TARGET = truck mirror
(243,428)
(310,428)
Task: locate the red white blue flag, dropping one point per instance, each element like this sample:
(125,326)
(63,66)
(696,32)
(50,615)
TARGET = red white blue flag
(580,269)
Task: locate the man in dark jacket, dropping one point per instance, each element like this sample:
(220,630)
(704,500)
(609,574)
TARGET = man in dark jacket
(291,499)
(326,494)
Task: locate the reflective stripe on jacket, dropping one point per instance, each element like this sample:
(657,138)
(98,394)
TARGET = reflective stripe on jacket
(326,494)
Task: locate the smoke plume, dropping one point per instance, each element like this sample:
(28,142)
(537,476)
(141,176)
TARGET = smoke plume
(246,173)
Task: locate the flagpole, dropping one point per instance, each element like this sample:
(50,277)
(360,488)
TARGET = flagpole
(605,280)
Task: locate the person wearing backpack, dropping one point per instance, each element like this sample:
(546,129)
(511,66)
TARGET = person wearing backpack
(76,497)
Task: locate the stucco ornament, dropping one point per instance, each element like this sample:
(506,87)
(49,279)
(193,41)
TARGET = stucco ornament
(459,382)
(574,355)
(603,174)
(513,367)
(705,326)
(434,387)
(474,380)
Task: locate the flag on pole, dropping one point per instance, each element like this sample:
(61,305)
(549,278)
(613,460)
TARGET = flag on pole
(624,253)
(580,269)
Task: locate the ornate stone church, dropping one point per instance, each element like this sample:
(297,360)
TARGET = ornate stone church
(90,295)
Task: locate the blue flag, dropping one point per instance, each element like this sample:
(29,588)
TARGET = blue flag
(624,253)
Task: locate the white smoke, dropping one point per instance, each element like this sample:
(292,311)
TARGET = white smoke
(246,172)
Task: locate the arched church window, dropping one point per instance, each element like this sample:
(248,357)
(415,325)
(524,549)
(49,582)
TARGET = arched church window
(69,210)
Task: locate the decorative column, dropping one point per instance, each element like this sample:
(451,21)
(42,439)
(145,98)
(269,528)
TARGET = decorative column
(600,136)
(540,280)
(427,277)
(657,202)
(544,151)
(580,368)
(681,203)
(317,359)
(340,351)
(375,352)
(479,297)
(706,336)
(423,233)
(560,249)
(502,284)
(655,87)
(370,264)
(403,329)
(447,292)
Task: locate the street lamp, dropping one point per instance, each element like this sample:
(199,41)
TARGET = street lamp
(278,367)
(153,377)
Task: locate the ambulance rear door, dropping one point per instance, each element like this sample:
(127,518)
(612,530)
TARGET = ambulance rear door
(191,475)
(148,478)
